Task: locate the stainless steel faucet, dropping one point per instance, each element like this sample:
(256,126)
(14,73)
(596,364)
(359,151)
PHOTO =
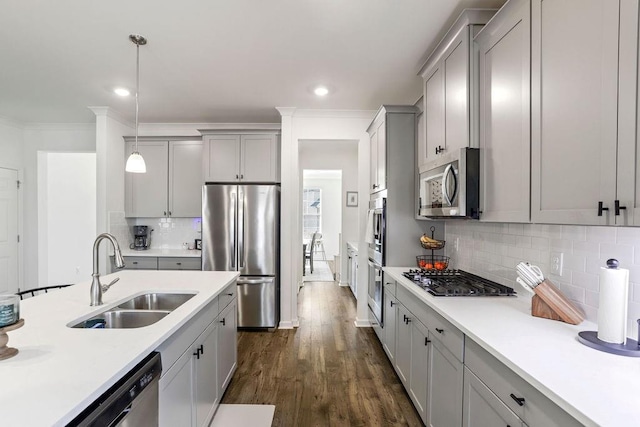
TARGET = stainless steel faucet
(96,287)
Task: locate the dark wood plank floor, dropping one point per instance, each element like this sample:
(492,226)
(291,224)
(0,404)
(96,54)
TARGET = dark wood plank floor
(327,372)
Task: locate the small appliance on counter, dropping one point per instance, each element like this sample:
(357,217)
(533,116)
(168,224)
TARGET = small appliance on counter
(141,237)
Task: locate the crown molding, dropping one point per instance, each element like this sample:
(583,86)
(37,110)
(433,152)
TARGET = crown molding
(5,121)
(336,114)
(112,114)
(59,126)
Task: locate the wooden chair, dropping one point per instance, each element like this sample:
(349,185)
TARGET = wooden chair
(37,291)
(309,254)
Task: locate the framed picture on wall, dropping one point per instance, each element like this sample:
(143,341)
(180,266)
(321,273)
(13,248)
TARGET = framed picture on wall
(352,198)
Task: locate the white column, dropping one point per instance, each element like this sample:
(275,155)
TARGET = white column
(290,247)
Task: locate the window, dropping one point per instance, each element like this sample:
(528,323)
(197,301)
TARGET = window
(311,212)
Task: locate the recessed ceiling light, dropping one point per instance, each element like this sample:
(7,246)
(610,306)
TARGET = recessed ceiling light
(120,91)
(321,91)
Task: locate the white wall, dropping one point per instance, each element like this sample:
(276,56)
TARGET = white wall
(53,138)
(300,125)
(11,137)
(67,216)
(493,250)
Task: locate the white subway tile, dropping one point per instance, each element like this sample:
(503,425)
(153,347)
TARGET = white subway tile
(585,280)
(601,234)
(574,232)
(517,229)
(523,241)
(590,313)
(551,231)
(623,253)
(593,265)
(527,229)
(559,245)
(586,249)
(540,243)
(575,262)
(531,255)
(574,293)
(628,236)
(591,298)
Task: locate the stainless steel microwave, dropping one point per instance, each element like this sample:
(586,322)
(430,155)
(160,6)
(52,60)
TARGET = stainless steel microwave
(450,186)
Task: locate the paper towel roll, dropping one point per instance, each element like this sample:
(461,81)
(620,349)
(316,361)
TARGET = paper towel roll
(612,311)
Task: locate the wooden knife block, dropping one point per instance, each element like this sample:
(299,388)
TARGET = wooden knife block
(550,303)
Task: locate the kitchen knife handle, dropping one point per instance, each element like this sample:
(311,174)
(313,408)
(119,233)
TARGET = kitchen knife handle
(519,400)
(601,208)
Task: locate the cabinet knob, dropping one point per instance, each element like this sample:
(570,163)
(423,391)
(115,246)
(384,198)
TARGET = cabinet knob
(519,400)
(224,322)
(601,208)
(438,330)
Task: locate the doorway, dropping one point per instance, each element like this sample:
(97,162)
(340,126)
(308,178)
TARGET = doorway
(321,222)
(66,216)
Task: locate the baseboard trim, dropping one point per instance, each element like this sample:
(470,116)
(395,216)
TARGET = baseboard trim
(289,324)
(362,323)
(343,284)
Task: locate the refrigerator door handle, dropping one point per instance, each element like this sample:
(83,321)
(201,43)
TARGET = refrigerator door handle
(240,230)
(234,226)
(255,281)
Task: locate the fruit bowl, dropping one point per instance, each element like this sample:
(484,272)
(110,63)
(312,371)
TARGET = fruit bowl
(430,243)
(432,262)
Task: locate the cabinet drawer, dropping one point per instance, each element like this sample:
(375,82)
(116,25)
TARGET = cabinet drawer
(178,263)
(227,295)
(389,284)
(536,409)
(445,332)
(415,306)
(482,407)
(140,263)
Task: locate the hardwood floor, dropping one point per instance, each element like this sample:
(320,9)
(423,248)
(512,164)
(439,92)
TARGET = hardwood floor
(325,373)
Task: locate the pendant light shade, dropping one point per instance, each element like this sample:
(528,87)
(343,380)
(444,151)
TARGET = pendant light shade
(135,162)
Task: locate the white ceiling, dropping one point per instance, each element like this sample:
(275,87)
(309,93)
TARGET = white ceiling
(214,60)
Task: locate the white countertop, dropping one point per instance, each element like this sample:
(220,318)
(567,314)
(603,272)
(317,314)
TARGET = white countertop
(59,370)
(354,245)
(597,388)
(163,252)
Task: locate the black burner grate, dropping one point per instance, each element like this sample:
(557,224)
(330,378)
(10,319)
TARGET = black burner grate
(456,283)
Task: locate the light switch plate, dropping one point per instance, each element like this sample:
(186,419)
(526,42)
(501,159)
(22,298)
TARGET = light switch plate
(555,263)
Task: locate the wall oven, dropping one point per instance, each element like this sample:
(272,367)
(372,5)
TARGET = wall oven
(450,185)
(376,260)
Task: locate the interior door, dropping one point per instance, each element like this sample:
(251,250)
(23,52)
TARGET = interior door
(8,230)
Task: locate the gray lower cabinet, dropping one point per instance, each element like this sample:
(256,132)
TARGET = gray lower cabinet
(445,386)
(450,379)
(160,263)
(198,363)
(482,407)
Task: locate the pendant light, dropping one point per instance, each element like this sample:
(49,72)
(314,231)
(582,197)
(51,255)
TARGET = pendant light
(135,162)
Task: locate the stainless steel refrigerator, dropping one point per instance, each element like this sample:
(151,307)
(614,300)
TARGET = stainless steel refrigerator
(241,232)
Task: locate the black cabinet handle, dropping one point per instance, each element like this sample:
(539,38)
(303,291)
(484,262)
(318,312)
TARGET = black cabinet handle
(375,186)
(223,321)
(519,400)
(135,262)
(404,318)
(439,149)
(426,340)
(408,320)
(201,349)
(601,208)
(197,354)
(391,303)
(618,208)
(169,213)
(241,176)
(230,295)
(438,330)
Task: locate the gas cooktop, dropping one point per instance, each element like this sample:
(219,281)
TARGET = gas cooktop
(456,283)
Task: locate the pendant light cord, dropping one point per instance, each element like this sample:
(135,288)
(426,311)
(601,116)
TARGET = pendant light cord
(137,89)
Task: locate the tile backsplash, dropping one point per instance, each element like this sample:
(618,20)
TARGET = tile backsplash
(492,250)
(168,233)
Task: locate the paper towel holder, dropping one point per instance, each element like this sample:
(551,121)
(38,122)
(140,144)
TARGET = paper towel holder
(629,348)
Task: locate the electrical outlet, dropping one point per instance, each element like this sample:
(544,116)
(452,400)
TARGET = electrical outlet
(555,263)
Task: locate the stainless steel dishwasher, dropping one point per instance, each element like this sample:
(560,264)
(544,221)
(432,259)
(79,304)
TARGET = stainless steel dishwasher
(132,401)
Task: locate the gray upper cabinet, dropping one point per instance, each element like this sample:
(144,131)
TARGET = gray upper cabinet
(584,71)
(505,137)
(241,158)
(378,150)
(172,184)
(450,89)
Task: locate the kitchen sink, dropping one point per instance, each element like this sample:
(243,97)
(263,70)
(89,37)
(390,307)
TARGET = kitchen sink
(137,312)
(122,319)
(156,301)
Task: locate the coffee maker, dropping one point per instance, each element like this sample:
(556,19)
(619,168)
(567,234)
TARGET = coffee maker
(141,237)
